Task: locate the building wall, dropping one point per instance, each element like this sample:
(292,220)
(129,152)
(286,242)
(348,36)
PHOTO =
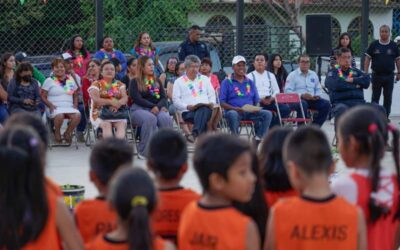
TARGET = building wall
(377,17)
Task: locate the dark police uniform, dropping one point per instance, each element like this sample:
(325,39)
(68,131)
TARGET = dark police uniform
(199,49)
(383,57)
(344,95)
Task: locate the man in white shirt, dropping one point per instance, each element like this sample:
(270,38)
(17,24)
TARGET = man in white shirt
(304,82)
(267,88)
(194,96)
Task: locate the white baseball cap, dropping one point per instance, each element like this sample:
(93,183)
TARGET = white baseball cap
(66,56)
(238,59)
(397,39)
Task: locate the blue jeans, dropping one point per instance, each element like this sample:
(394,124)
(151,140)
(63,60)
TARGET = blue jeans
(82,124)
(262,119)
(284,110)
(3,113)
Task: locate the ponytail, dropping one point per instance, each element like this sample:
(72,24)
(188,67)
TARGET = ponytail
(370,129)
(395,144)
(134,197)
(139,231)
(376,143)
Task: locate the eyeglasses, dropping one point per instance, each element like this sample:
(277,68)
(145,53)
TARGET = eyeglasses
(304,61)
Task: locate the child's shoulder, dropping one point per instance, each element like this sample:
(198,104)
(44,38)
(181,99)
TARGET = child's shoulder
(90,205)
(181,192)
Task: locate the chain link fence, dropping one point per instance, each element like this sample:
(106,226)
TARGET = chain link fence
(44,27)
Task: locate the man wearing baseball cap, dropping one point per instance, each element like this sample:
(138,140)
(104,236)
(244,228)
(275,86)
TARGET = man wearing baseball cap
(237,94)
(37,75)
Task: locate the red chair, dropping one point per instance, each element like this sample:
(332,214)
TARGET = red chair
(290,98)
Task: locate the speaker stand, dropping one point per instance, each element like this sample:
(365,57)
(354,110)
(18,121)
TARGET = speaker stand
(319,63)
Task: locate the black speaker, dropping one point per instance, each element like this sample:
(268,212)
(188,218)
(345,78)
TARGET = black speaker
(319,35)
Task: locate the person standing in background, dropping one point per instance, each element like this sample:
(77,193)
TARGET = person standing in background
(383,54)
(107,52)
(193,45)
(79,54)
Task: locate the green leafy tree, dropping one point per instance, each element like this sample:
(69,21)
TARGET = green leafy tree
(164,20)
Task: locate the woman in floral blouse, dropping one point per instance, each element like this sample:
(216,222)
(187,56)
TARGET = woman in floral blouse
(107,93)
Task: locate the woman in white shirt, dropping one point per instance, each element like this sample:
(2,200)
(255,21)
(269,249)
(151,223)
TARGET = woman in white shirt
(60,95)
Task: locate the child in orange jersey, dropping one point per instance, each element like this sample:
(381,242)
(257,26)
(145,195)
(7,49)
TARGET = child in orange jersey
(32,216)
(276,181)
(167,158)
(318,219)
(95,216)
(134,198)
(32,120)
(224,166)
(362,136)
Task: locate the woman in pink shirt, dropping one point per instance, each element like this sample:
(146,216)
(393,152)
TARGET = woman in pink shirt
(205,69)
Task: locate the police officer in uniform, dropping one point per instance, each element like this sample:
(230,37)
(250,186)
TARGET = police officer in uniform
(193,45)
(383,53)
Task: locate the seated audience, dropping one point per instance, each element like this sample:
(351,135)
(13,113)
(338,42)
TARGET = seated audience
(149,110)
(24,91)
(194,96)
(59,94)
(304,82)
(109,99)
(238,92)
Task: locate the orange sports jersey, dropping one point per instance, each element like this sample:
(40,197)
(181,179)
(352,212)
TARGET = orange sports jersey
(220,228)
(301,223)
(272,197)
(170,207)
(102,242)
(381,233)
(49,238)
(54,187)
(94,217)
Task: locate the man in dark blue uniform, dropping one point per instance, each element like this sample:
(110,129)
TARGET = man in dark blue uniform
(383,53)
(346,85)
(193,45)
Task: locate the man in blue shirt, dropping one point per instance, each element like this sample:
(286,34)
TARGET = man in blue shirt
(305,82)
(193,45)
(239,91)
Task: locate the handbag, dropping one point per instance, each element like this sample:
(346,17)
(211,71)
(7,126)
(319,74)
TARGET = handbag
(107,114)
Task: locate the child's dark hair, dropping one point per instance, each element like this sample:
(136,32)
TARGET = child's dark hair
(167,153)
(271,163)
(256,208)
(108,155)
(133,196)
(115,61)
(370,129)
(179,63)
(309,148)
(216,154)
(29,119)
(23,200)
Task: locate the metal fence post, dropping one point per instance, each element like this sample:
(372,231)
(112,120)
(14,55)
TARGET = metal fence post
(364,31)
(99,23)
(239,26)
